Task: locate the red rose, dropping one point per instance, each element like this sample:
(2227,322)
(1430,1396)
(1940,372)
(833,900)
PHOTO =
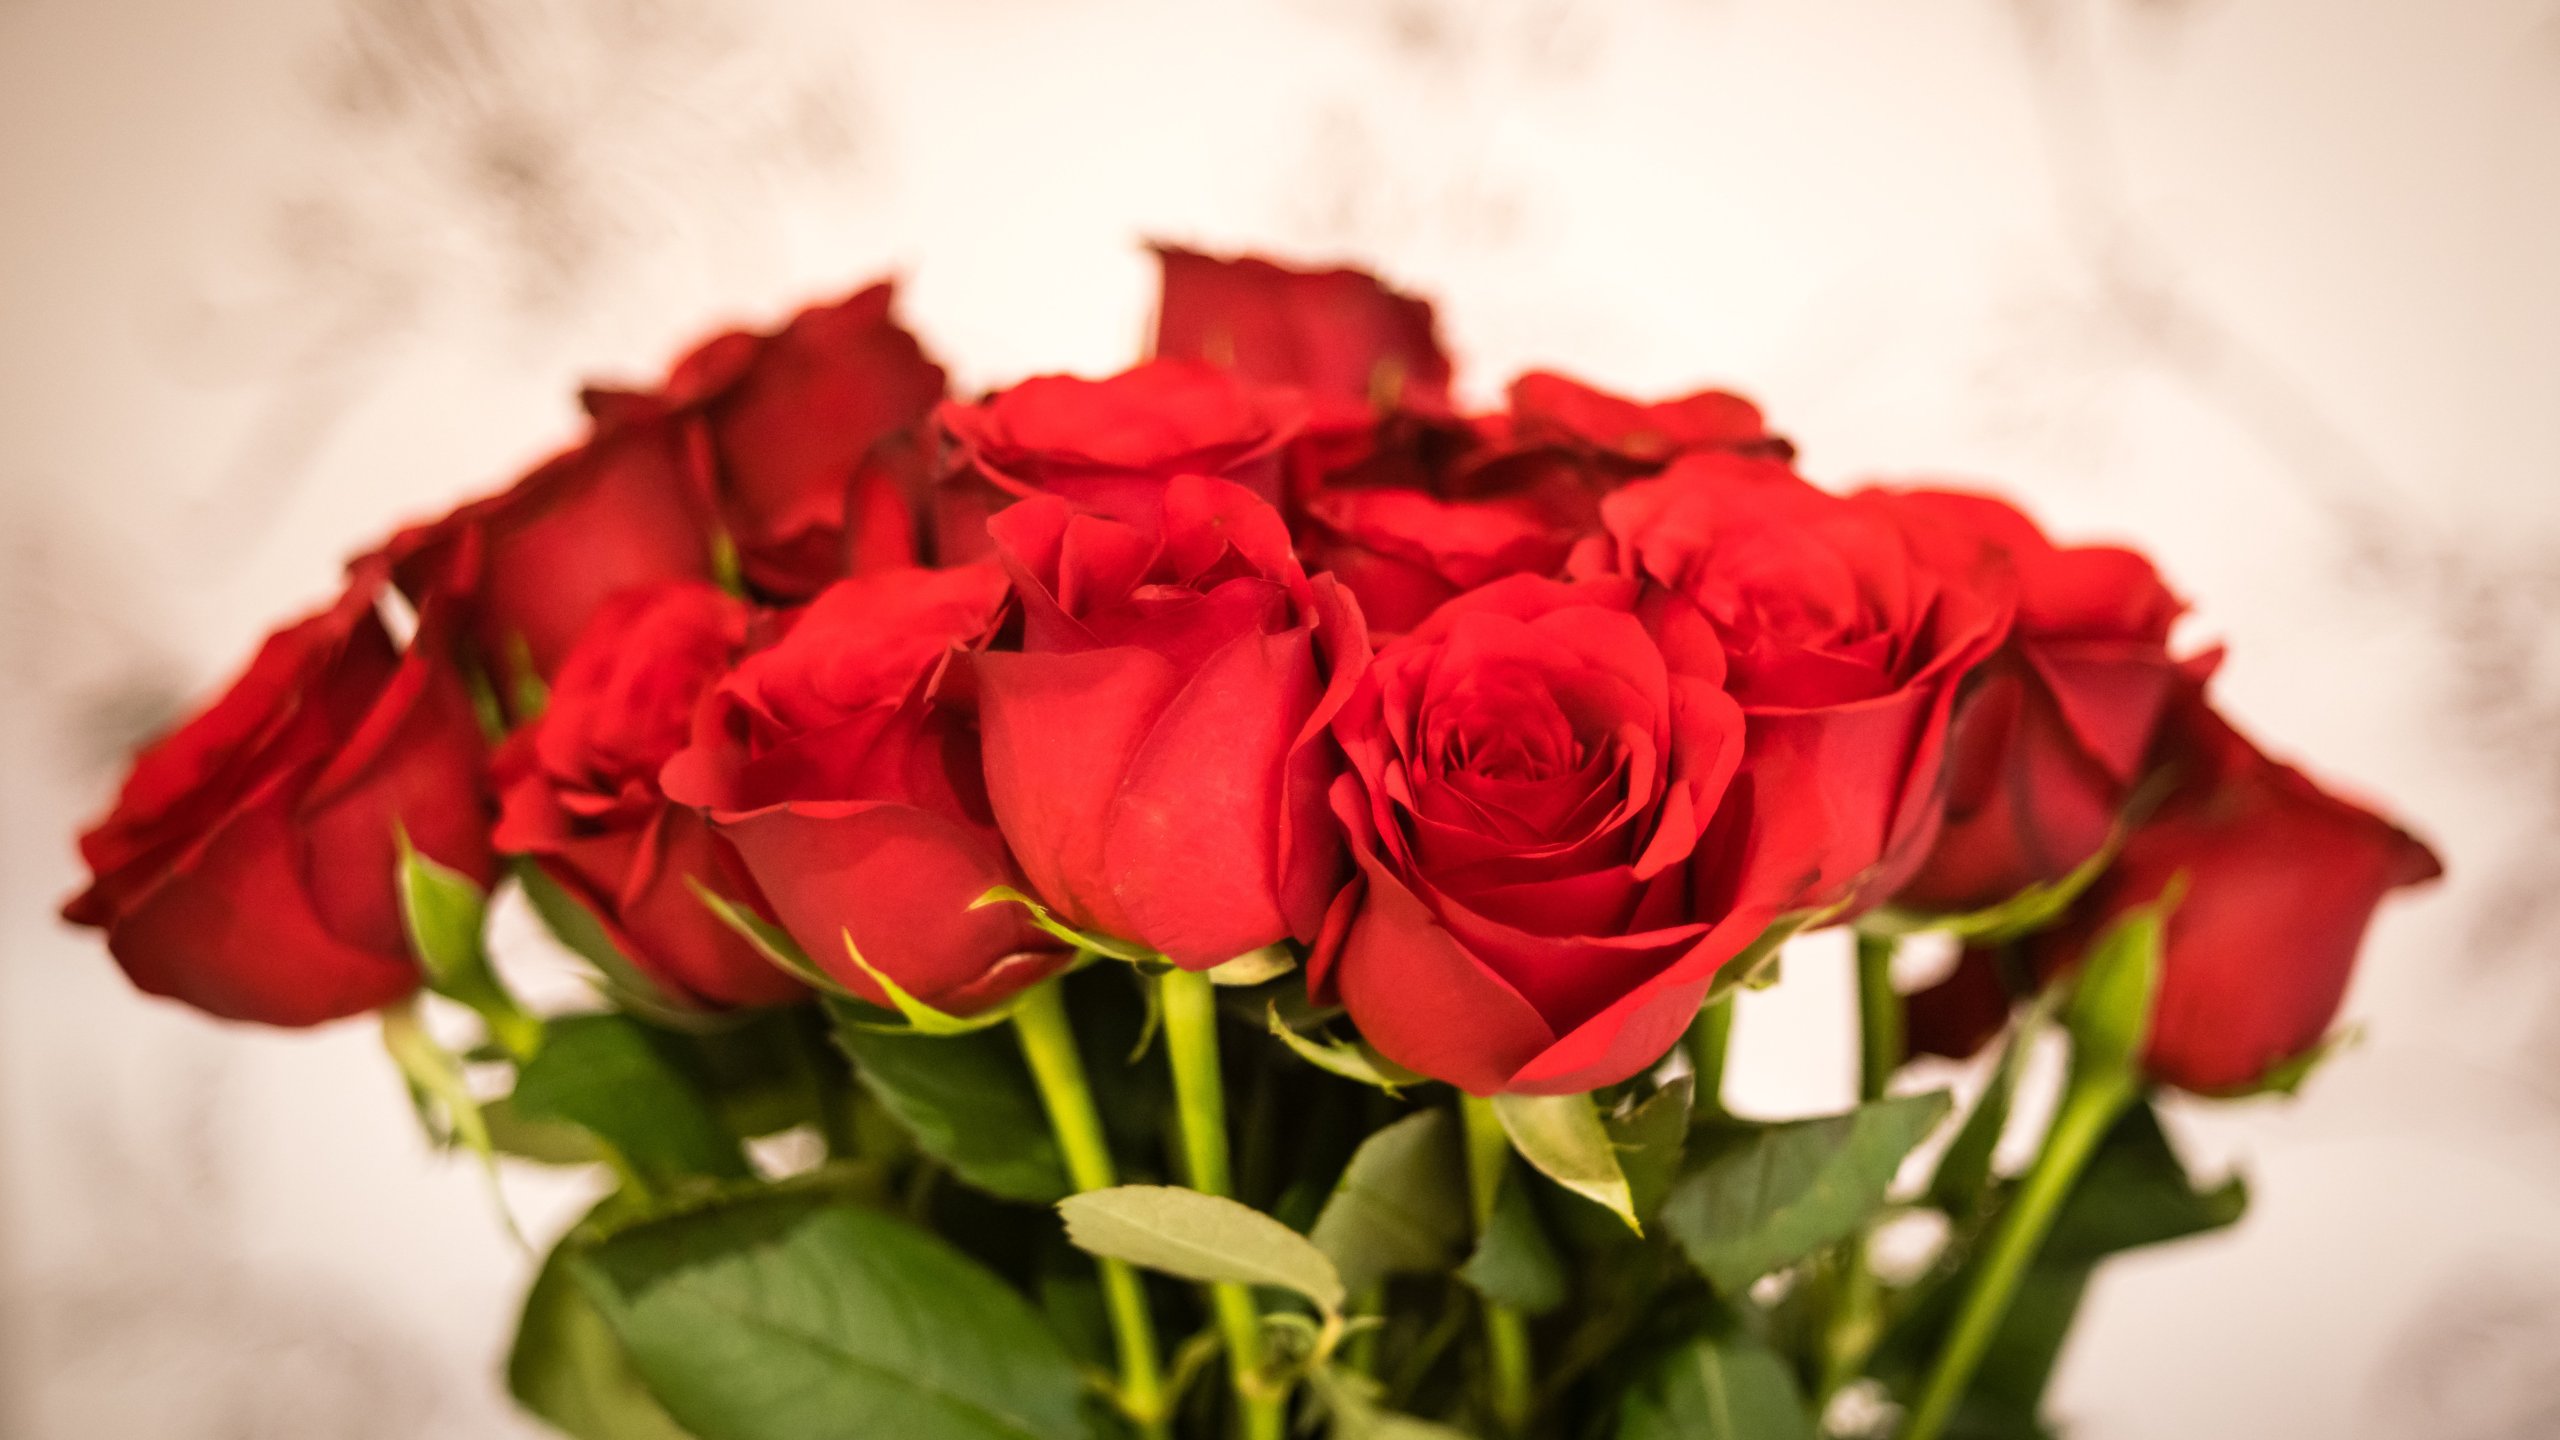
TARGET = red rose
(527,568)
(1405,553)
(1843,633)
(2280,880)
(1106,446)
(1556,414)
(808,439)
(2050,746)
(1351,346)
(1156,750)
(250,865)
(845,770)
(1544,819)
(578,792)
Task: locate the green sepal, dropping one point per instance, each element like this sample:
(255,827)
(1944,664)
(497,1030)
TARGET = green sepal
(1351,1059)
(1084,940)
(444,913)
(767,939)
(2109,1009)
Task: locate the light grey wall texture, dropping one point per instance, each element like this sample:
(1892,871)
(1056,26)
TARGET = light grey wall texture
(2268,286)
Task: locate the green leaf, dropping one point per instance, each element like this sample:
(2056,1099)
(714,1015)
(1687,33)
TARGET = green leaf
(444,912)
(1719,1387)
(1401,1207)
(1769,1197)
(630,1088)
(545,1142)
(1042,917)
(1352,1060)
(1562,1136)
(969,1102)
(1200,1237)
(2109,1011)
(1514,1263)
(567,1367)
(1652,1139)
(2136,1192)
(778,1320)
(1964,1172)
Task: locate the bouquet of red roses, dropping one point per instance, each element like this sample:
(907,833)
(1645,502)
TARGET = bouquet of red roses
(1234,876)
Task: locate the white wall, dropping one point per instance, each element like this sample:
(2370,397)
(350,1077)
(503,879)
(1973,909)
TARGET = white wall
(2267,285)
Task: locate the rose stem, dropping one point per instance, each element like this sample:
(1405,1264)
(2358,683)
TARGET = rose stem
(1506,1335)
(1049,1045)
(1710,1041)
(1854,1322)
(1200,1098)
(2089,1110)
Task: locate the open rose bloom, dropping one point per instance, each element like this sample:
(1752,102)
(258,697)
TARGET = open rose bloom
(1345,810)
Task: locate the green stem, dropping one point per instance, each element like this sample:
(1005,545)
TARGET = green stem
(1856,1319)
(1506,1335)
(1879,1016)
(1049,1045)
(1200,1100)
(1710,1043)
(2089,1109)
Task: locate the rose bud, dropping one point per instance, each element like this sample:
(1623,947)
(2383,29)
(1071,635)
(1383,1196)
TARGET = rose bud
(1156,750)
(809,436)
(250,867)
(525,569)
(1105,446)
(1352,347)
(2048,749)
(842,762)
(1549,843)
(2274,881)
(1842,633)
(578,794)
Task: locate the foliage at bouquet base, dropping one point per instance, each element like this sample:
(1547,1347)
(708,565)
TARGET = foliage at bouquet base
(1209,902)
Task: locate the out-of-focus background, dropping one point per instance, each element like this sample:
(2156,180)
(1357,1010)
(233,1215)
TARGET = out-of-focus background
(2270,286)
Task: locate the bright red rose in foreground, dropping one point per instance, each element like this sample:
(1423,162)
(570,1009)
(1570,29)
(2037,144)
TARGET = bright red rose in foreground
(578,793)
(845,769)
(1351,346)
(1845,637)
(1106,446)
(2280,880)
(808,437)
(250,865)
(1156,751)
(1549,862)
(2050,746)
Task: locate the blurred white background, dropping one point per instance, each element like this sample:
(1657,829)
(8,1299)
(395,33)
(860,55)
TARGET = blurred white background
(2266,285)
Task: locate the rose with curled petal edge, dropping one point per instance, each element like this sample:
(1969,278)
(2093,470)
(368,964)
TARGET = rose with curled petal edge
(1551,841)
(2276,881)
(2050,745)
(1156,747)
(250,865)
(1108,447)
(578,794)
(1843,626)
(842,760)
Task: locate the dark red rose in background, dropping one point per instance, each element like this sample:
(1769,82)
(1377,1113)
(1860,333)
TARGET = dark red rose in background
(844,767)
(1567,419)
(1106,446)
(578,793)
(527,568)
(1353,348)
(807,437)
(1156,751)
(2281,878)
(1548,868)
(250,865)
(1844,636)
(2049,748)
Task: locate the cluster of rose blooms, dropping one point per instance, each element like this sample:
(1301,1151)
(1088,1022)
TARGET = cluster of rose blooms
(1520,725)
